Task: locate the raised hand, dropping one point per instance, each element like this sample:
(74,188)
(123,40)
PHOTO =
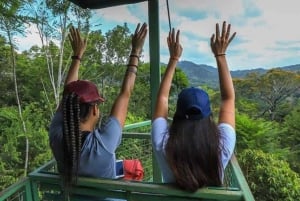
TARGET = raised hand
(219,43)
(138,39)
(175,48)
(78,44)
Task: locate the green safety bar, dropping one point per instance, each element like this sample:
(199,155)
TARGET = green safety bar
(45,184)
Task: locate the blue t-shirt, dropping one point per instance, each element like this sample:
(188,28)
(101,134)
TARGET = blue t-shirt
(98,150)
(160,135)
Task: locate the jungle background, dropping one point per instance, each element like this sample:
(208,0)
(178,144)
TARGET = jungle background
(31,81)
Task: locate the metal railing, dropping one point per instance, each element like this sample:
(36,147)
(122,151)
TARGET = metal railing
(45,184)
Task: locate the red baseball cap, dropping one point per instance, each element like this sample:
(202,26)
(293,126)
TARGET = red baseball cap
(86,90)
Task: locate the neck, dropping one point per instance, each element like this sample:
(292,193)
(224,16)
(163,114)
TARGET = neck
(87,126)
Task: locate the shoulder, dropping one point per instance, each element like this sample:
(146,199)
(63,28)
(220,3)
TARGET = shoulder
(159,126)
(159,133)
(227,136)
(227,141)
(226,130)
(111,123)
(159,122)
(56,125)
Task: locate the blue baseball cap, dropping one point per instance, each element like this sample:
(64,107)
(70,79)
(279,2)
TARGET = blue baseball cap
(193,103)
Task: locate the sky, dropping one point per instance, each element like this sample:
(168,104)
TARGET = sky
(268,32)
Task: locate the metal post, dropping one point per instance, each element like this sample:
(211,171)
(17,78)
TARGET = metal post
(153,15)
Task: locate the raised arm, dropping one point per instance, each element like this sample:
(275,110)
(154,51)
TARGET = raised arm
(78,46)
(219,44)
(162,102)
(119,109)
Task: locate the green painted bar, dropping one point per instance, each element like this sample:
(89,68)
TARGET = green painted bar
(42,181)
(136,135)
(241,180)
(117,188)
(137,125)
(153,14)
(19,186)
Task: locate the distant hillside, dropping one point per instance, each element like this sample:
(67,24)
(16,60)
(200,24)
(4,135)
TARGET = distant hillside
(200,74)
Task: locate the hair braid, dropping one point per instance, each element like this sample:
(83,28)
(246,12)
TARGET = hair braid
(66,141)
(77,133)
(72,138)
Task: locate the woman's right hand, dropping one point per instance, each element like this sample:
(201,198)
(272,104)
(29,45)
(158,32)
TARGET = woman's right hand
(175,48)
(78,44)
(138,39)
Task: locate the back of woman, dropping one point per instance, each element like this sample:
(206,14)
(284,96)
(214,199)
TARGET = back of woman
(194,151)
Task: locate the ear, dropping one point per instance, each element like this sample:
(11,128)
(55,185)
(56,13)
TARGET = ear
(94,109)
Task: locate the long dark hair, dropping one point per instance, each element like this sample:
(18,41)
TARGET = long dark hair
(74,112)
(193,153)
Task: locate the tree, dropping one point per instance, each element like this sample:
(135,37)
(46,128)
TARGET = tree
(270,91)
(117,44)
(291,138)
(269,179)
(11,25)
(52,19)
(12,156)
(6,86)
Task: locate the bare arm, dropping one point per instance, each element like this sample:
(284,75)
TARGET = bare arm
(119,109)
(78,45)
(175,49)
(219,44)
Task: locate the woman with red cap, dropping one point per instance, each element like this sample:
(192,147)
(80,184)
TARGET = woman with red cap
(194,151)
(79,147)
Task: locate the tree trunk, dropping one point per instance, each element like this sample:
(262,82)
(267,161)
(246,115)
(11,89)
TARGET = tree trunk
(13,59)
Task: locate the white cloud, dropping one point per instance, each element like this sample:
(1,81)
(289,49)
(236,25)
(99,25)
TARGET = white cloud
(32,38)
(267,31)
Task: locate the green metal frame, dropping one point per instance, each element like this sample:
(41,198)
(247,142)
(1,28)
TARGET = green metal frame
(22,189)
(45,179)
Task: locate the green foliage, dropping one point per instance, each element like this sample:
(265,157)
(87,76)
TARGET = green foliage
(118,43)
(10,165)
(12,140)
(254,133)
(291,138)
(271,91)
(270,179)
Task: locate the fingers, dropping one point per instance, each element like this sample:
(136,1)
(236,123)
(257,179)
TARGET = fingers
(212,39)
(177,36)
(144,30)
(231,38)
(137,28)
(223,30)
(172,38)
(224,35)
(141,32)
(228,32)
(173,35)
(217,31)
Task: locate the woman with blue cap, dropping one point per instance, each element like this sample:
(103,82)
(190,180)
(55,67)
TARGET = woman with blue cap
(194,151)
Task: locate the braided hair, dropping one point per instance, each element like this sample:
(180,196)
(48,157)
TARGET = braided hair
(71,138)
(74,112)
